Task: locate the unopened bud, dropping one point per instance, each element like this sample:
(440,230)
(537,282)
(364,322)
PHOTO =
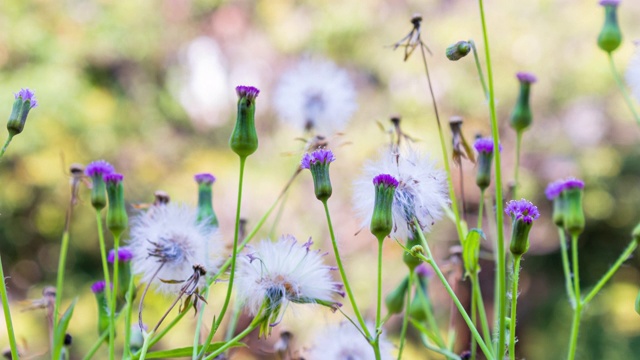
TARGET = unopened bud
(205,198)
(523,213)
(521,116)
(24,101)
(484,147)
(96,171)
(574,215)
(244,139)
(395,299)
(318,163)
(610,36)
(458,50)
(382,219)
(117,219)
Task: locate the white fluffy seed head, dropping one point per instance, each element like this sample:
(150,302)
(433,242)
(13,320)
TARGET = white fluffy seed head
(169,238)
(344,341)
(281,272)
(422,191)
(316,95)
(633,73)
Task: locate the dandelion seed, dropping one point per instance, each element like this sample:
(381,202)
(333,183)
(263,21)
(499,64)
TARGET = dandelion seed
(344,341)
(421,193)
(316,96)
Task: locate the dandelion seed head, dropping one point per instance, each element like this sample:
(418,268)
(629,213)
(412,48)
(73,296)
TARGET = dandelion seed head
(315,95)
(344,341)
(522,210)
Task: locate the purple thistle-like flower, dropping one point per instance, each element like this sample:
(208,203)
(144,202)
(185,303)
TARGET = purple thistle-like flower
(113,178)
(609,2)
(525,77)
(248,92)
(323,156)
(573,183)
(205,178)
(124,255)
(26,94)
(99,168)
(554,189)
(98,287)
(485,145)
(522,210)
(386,180)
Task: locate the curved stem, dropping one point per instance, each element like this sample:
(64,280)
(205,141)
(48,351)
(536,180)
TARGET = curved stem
(448,354)
(107,278)
(431,320)
(623,90)
(146,345)
(565,267)
(7,314)
(516,176)
(6,145)
(501,271)
(514,304)
(98,342)
(607,276)
(405,318)
(479,68)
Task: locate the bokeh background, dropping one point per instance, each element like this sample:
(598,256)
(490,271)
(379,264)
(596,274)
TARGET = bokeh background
(149,86)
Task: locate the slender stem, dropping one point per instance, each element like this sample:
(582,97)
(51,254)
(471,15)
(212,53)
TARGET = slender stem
(146,345)
(7,313)
(480,208)
(482,313)
(196,335)
(59,285)
(516,176)
(99,342)
(164,332)
(623,257)
(577,311)
(565,267)
(107,279)
(376,346)
(405,318)
(474,318)
(114,293)
(514,304)
(445,154)
(254,324)
(276,221)
(575,327)
(576,267)
(431,320)
(6,145)
(479,68)
(501,272)
(448,354)
(127,315)
(343,275)
(233,322)
(623,90)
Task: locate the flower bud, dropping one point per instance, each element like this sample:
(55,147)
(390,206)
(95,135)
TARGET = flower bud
(574,214)
(471,251)
(124,275)
(24,101)
(117,219)
(103,306)
(521,116)
(318,163)
(244,140)
(420,307)
(395,299)
(553,192)
(96,171)
(522,213)
(382,220)
(484,147)
(137,338)
(458,50)
(409,259)
(610,36)
(205,198)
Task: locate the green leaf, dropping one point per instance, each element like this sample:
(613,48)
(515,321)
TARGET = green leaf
(471,251)
(61,329)
(185,351)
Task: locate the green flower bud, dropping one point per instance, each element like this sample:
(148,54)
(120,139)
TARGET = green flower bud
(24,101)
(458,50)
(96,171)
(382,218)
(574,213)
(522,213)
(244,140)
(117,219)
(205,198)
(484,147)
(124,275)
(103,306)
(408,257)
(521,116)
(420,307)
(395,299)
(471,251)
(610,36)
(318,163)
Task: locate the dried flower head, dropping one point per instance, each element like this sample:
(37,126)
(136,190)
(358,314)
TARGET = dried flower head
(344,341)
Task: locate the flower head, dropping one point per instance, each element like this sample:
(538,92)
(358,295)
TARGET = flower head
(124,255)
(554,189)
(525,77)
(98,168)
(421,191)
(204,178)
(169,237)
(522,210)
(609,2)
(573,183)
(113,178)
(316,95)
(485,145)
(248,92)
(344,341)
(322,156)
(98,287)
(26,94)
(385,180)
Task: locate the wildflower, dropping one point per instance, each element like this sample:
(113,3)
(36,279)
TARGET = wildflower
(25,100)
(572,198)
(205,197)
(553,192)
(458,50)
(521,116)
(103,308)
(274,274)
(344,341)
(244,140)
(316,96)
(633,73)
(318,163)
(610,36)
(484,147)
(96,170)
(382,219)
(420,195)
(117,219)
(167,241)
(124,275)
(460,146)
(522,213)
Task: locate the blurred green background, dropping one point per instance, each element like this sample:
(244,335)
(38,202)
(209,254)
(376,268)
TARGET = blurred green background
(148,86)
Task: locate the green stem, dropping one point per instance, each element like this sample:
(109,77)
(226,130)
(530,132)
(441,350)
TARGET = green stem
(254,324)
(107,279)
(114,293)
(474,317)
(479,68)
(445,154)
(376,346)
(565,267)
(623,257)
(501,271)
(576,267)
(514,304)
(516,175)
(59,284)
(233,322)
(7,314)
(164,332)
(480,208)
(573,340)
(431,320)
(6,145)
(99,342)
(405,318)
(623,90)
(127,315)
(448,354)
(196,335)
(577,311)
(146,345)
(482,313)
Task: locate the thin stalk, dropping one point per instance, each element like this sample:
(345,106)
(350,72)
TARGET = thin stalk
(405,318)
(445,154)
(516,175)
(474,318)
(479,68)
(565,267)
(481,311)
(480,208)
(127,315)
(59,284)
(107,279)
(379,300)
(6,145)
(254,324)
(343,275)
(114,293)
(448,354)
(514,304)
(431,320)
(276,221)
(233,322)
(196,335)
(501,271)
(577,311)
(146,345)
(623,257)
(623,90)
(103,336)
(7,313)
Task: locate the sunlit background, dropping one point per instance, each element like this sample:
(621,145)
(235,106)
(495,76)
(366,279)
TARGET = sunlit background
(149,87)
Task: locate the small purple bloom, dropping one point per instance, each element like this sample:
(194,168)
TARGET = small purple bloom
(323,156)
(573,183)
(26,94)
(248,92)
(424,271)
(609,2)
(205,178)
(485,145)
(113,178)
(99,168)
(98,287)
(525,77)
(522,210)
(554,189)
(386,180)
(124,255)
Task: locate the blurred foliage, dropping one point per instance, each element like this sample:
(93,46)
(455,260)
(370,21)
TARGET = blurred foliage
(110,77)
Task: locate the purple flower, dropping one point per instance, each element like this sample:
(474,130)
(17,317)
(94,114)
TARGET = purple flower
(113,178)
(124,255)
(99,168)
(248,92)
(554,189)
(609,2)
(525,77)
(98,287)
(424,271)
(385,180)
(485,145)
(205,178)
(573,183)
(323,156)
(26,94)
(522,210)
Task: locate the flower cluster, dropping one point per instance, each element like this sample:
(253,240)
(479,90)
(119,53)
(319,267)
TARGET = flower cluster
(321,156)
(522,210)
(556,188)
